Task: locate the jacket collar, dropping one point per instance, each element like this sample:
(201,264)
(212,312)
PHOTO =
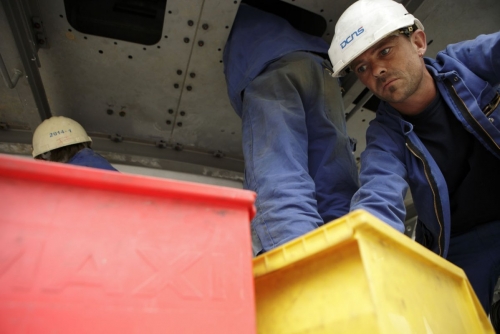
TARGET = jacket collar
(386,110)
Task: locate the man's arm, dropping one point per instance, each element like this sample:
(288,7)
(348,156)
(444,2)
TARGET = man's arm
(383,178)
(481,55)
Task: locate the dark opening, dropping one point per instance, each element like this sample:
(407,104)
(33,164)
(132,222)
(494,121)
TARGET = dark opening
(138,21)
(299,18)
(372,103)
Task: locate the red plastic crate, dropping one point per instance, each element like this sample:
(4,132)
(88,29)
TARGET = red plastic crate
(84,250)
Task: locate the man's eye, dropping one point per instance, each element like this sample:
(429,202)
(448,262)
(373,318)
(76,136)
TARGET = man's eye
(361,69)
(385,51)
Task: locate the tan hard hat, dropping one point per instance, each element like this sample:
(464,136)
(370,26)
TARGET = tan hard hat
(56,132)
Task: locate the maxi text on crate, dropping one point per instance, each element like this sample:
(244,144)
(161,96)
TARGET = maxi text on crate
(90,251)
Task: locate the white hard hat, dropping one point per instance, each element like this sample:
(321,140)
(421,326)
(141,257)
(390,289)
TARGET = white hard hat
(56,132)
(362,25)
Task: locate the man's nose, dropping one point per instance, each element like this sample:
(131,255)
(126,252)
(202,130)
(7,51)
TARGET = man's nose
(378,69)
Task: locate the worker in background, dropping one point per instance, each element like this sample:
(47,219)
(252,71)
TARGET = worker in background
(298,157)
(61,139)
(436,132)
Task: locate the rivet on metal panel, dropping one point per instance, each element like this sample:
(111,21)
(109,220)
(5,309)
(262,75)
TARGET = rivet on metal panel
(201,43)
(189,88)
(192,74)
(218,154)
(109,111)
(186,40)
(205,26)
(4,126)
(161,144)
(170,111)
(183,113)
(190,23)
(179,72)
(178,147)
(176,85)
(116,138)
(179,124)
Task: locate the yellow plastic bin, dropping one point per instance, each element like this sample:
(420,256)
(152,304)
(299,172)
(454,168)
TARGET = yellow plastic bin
(358,275)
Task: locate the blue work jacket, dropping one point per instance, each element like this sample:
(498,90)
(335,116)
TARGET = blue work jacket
(250,48)
(89,158)
(467,75)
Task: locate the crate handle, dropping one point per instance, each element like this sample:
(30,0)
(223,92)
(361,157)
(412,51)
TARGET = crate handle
(11,83)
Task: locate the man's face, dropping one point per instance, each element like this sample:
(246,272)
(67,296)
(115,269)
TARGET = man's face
(392,69)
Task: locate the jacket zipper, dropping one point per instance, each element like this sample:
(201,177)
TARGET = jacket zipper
(471,120)
(437,205)
(492,105)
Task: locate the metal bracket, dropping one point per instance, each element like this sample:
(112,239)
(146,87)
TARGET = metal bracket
(41,39)
(161,144)
(218,154)
(11,83)
(116,138)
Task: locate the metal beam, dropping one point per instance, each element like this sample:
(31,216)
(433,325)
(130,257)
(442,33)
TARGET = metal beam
(144,155)
(21,29)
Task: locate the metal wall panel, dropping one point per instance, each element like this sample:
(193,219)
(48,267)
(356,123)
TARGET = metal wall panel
(17,105)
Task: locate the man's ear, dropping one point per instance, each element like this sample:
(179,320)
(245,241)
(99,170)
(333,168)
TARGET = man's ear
(419,42)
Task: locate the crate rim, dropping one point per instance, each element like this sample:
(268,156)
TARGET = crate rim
(99,179)
(335,234)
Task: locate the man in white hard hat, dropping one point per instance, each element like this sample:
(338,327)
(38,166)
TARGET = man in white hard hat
(62,139)
(437,132)
(298,157)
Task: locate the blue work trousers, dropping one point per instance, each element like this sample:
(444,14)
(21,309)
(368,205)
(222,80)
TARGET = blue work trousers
(298,157)
(477,252)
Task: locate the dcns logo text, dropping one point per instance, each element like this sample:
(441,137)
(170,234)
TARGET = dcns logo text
(350,38)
